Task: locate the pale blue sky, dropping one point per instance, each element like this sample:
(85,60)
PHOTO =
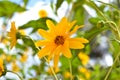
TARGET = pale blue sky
(31,2)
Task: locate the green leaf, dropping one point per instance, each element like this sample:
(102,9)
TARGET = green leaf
(94,32)
(78,12)
(20,46)
(36,24)
(29,42)
(25,2)
(65,63)
(94,20)
(7,8)
(1,51)
(68,1)
(58,4)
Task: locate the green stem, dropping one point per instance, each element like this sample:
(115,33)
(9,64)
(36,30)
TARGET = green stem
(100,12)
(109,71)
(51,69)
(70,68)
(16,74)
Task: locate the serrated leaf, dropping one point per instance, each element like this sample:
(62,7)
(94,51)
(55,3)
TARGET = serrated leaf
(7,8)
(36,24)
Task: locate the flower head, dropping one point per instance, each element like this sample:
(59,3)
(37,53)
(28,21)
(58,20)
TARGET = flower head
(24,58)
(15,67)
(58,40)
(12,35)
(85,71)
(42,13)
(83,57)
(67,75)
(1,67)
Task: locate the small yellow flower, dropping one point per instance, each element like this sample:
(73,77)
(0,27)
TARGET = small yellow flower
(12,35)
(85,71)
(83,57)
(56,70)
(42,13)
(67,74)
(24,58)
(22,32)
(1,67)
(3,56)
(58,40)
(8,58)
(15,67)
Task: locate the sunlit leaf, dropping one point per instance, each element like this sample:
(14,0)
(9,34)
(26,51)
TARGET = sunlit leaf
(7,8)
(29,42)
(91,34)
(36,24)
(25,2)
(58,4)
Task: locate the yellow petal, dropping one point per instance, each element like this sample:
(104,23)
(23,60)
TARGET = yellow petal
(62,26)
(56,59)
(75,29)
(66,51)
(82,40)
(50,25)
(41,43)
(46,50)
(13,43)
(13,28)
(44,33)
(71,25)
(75,44)
(55,51)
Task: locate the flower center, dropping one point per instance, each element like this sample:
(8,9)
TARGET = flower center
(59,40)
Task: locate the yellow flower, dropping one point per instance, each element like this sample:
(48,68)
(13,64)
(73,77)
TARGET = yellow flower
(83,57)
(23,58)
(15,67)
(12,34)
(8,58)
(22,32)
(3,56)
(67,74)
(58,40)
(56,70)
(42,13)
(1,67)
(85,71)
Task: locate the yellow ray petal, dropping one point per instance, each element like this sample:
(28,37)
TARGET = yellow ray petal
(13,43)
(45,51)
(75,44)
(82,40)
(13,28)
(66,51)
(56,59)
(75,29)
(71,25)
(41,43)
(50,25)
(44,33)
(62,26)
(55,51)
